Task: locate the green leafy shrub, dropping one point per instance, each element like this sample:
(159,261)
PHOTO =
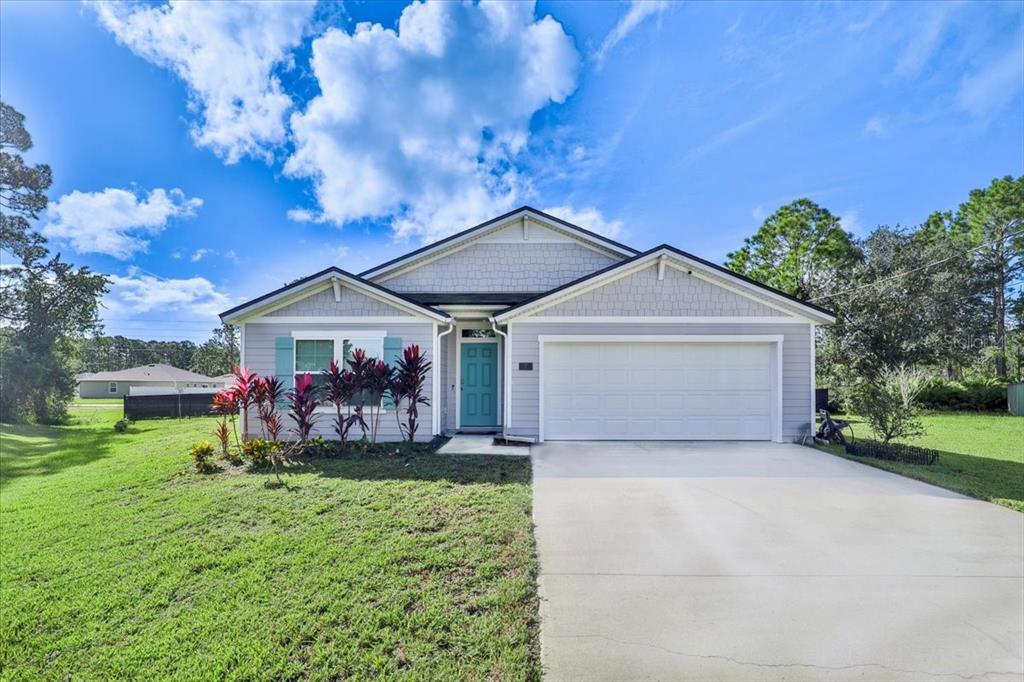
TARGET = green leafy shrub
(981,393)
(121,425)
(202,454)
(888,402)
(260,452)
(320,447)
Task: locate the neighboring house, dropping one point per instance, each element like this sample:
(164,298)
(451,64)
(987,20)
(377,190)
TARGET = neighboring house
(224,380)
(147,378)
(543,330)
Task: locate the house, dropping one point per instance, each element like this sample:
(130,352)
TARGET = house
(542,330)
(223,380)
(147,378)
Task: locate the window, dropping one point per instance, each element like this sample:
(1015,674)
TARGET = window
(112,387)
(478,334)
(312,356)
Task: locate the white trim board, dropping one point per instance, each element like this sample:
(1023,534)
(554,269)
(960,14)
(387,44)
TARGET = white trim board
(777,369)
(558,319)
(326,319)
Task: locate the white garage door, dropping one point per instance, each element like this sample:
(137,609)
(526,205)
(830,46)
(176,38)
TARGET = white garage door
(658,391)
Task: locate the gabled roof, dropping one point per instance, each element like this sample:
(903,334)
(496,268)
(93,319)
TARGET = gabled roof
(327,275)
(479,230)
(810,310)
(147,373)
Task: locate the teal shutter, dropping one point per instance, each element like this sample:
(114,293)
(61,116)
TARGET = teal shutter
(392,354)
(284,357)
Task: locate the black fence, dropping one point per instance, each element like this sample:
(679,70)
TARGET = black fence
(174,405)
(820,399)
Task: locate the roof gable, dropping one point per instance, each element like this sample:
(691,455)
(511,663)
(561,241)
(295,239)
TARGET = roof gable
(535,225)
(761,294)
(332,279)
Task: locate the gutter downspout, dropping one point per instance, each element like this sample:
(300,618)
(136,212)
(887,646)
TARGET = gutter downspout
(506,375)
(437,382)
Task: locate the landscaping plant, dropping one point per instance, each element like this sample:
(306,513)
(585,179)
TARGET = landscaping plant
(358,368)
(267,395)
(121,425)
(410,376)
(245,393)
(340,387)
(225,404)
(888,402)
(377,382)
(302,407)
(202,455)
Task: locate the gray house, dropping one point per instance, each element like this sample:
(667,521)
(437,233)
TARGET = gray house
(148,378)
(540,329)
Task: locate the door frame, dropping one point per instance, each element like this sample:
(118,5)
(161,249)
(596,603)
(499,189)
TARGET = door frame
(500,345)
(775,369)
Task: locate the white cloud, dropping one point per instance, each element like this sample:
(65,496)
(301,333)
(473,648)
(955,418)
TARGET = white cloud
(424,124)
(877,126)
(231,255)
(850,221)
(634,16)
(200,254)
(588,218)
(115,221)
(140,293)
(988,90)
(925,39)
(226,52)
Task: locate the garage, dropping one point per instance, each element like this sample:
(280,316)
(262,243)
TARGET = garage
(651,388)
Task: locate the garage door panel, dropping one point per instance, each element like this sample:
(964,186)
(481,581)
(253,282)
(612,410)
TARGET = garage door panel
(671,390)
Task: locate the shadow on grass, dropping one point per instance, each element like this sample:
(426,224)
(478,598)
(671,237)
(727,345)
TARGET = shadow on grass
(427,466)
(33,450)
(995,480)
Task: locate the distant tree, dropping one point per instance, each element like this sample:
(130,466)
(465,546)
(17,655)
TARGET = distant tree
(217,355)
(994,218)
(800,249)
(110,353)
(46,305)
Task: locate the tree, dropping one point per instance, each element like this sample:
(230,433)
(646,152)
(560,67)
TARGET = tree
(217,355)
(800,249)
(994,218)
(46,305)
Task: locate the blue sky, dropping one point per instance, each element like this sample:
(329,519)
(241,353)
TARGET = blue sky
(204,154)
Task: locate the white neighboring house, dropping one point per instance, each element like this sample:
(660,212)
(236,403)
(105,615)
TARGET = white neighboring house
(146,379)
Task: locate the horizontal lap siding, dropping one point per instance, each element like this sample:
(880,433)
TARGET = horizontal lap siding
(259,358)
(796,367)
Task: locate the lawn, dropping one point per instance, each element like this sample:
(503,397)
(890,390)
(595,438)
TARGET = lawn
(982,455)
(119,560)
(98,401)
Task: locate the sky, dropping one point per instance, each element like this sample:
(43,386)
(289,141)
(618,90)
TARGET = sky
(204,154)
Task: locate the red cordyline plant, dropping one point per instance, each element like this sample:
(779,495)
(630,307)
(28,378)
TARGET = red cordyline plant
(376,382)
(358,366)
(226,405)
(340,387)
(246,384)
(269,392)
(410,376)
(302,407)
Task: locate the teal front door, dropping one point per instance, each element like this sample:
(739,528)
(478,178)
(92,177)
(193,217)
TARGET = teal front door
(479,384)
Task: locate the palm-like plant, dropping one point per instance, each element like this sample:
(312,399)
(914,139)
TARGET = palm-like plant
(340,387)
(302,407)
(245,388)
(225,403)
(377,382)
(410,376)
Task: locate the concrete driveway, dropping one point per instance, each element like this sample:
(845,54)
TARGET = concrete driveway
(741,561)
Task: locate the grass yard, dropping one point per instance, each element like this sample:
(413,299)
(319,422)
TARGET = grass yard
(98,401)
(982,455)
(119,560)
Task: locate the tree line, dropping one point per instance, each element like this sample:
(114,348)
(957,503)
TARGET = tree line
(946,296)
(215,356)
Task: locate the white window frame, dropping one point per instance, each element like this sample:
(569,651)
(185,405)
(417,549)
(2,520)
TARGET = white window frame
(111,387)
(339,338)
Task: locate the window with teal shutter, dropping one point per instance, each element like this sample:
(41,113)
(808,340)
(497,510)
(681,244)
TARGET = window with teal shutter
(284,363)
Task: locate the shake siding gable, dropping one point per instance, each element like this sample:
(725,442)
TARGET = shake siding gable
(501,268)
(677,294)
(352,304)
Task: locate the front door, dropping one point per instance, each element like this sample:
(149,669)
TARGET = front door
(479,384)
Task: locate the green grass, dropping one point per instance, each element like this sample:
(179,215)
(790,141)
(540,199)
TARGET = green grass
(98,401)
(118,560)
(981,455)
